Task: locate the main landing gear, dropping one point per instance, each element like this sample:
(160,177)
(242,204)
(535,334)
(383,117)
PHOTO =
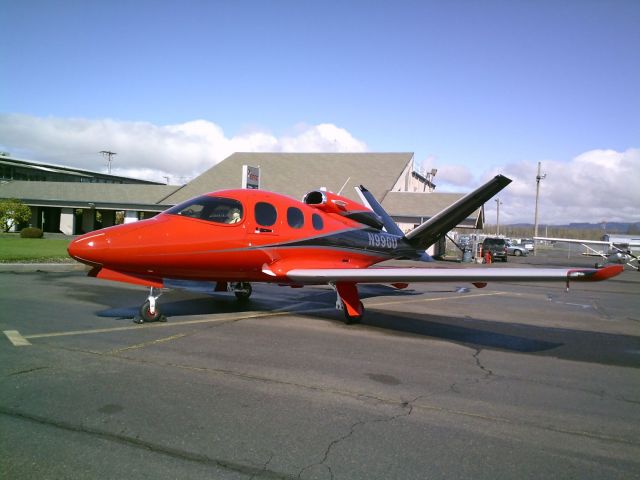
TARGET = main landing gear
(349,302)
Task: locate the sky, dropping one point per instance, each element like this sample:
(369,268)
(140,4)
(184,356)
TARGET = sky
(472,88)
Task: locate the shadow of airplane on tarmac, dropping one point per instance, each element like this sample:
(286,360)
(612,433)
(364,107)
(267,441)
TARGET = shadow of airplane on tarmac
(563,343)
(567,344)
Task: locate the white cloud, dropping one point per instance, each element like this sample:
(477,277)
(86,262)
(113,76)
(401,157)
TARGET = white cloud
(323,138)
(454,176)
(145,150)
(594,186)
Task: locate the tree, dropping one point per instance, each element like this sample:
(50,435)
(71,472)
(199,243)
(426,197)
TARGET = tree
(13,212)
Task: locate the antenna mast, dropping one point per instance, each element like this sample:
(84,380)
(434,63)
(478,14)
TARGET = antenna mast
(108,154)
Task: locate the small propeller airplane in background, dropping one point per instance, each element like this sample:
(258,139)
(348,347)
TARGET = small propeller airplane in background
(234,237)
(612,252)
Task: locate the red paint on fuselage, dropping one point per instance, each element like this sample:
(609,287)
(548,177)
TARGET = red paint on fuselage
(174,246)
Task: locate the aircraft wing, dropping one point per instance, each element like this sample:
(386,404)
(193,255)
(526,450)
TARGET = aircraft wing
(471,275)
(573,240)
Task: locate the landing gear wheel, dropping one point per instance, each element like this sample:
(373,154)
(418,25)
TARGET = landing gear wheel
(244,291)
(352,319)
(147,316)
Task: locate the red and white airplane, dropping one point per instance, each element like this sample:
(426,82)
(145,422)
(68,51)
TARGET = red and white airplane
(234,237)
(618,251)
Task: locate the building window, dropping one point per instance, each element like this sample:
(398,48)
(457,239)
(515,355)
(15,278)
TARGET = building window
(295,217)
(266,214)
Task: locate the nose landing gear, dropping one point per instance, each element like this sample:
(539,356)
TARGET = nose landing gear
(149,310)
(242,290)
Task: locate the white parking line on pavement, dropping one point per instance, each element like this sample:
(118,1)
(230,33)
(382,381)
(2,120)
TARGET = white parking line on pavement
(15,338)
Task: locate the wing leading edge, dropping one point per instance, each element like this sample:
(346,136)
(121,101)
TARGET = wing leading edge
(472,275)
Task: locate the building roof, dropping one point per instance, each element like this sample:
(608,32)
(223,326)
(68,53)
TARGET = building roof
(295,174)
(70,171)
(77,195)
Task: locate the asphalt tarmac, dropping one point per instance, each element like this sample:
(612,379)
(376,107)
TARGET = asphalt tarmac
(440,381)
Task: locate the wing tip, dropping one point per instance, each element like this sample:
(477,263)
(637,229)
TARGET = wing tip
(600,274)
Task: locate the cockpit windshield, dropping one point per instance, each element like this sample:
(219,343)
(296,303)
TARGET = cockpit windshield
(211,209)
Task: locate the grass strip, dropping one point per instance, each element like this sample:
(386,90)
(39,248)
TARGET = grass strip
(15,249)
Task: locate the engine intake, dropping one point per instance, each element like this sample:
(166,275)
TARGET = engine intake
(331,203)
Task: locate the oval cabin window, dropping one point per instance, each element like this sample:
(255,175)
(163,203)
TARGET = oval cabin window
(266,214)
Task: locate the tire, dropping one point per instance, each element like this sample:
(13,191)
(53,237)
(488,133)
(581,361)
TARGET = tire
(517,253)
(352,319)
(244,295)
(146,315)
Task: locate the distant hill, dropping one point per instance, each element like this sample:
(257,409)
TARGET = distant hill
(587,231)
(609,227)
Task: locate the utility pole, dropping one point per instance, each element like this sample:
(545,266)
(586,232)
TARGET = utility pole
(498,203)
(108,154)
(535,225)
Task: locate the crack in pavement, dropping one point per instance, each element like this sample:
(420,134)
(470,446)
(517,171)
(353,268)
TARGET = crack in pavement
(622,398)
(22,372)
(487,372)
(404,405)
(136,442)
(264,467)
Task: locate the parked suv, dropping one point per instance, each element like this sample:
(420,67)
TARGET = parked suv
(497,247)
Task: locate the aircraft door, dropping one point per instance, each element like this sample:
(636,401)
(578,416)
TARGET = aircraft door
(266,220)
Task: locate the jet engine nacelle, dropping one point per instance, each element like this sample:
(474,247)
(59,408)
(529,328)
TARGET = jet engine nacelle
(331,203)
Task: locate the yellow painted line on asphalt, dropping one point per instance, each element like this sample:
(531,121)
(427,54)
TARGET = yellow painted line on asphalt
(15,338)
(159,325)
(437,299)
(148,344)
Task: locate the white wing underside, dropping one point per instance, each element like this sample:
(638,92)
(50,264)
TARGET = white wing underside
(574,240)
(409,275)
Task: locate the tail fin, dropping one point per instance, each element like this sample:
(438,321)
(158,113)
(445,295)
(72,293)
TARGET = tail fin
(430,231)
(370,201)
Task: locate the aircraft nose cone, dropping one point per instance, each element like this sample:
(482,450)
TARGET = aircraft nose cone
(89,248)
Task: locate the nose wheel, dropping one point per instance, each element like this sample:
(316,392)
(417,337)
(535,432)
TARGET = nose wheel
(242,290)
(149,310)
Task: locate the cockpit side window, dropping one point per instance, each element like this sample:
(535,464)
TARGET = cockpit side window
(211,209)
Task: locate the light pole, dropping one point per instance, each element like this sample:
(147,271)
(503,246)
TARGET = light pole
(498,203)
(535,225)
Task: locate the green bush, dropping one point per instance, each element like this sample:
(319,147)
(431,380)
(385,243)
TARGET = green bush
(31,232)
